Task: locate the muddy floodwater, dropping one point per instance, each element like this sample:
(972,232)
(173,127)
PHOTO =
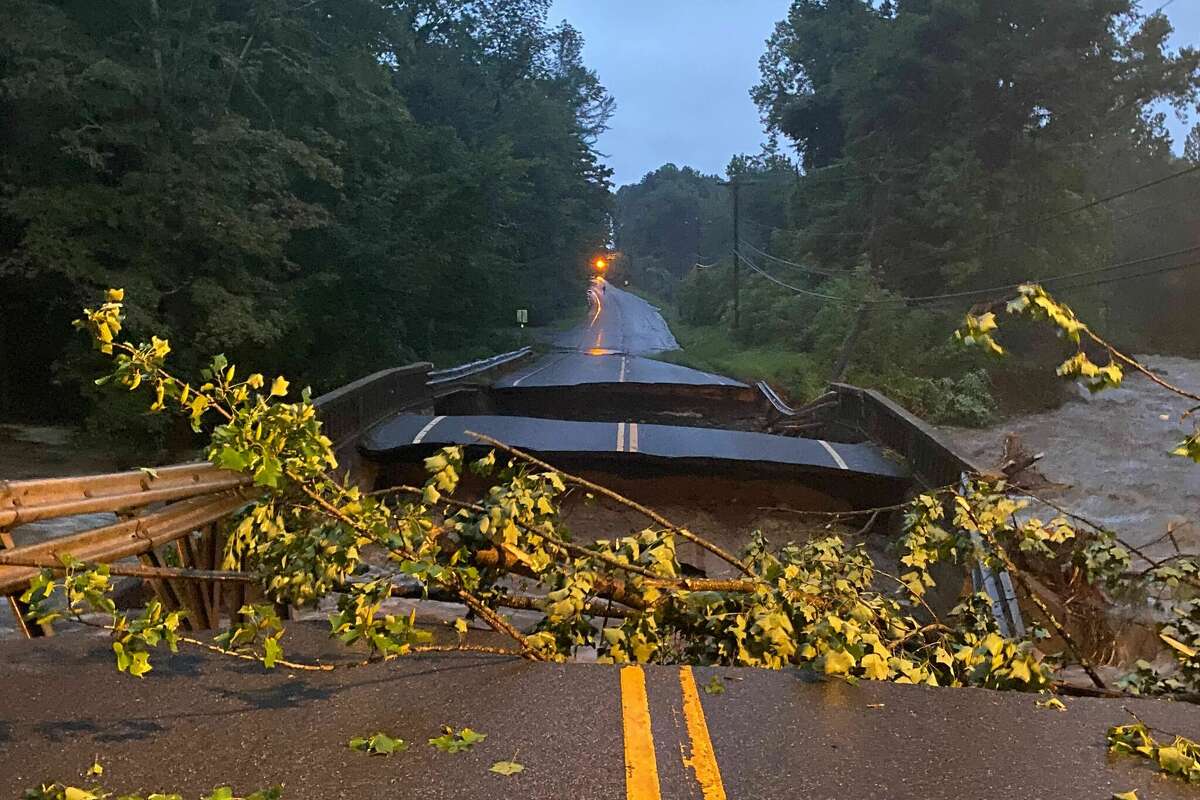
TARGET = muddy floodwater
(1111,453)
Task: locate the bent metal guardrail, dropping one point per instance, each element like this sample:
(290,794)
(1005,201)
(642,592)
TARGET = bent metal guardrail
(174,513)
(935,463)
(197,496)
(880,419)
(351,409)
(777,402)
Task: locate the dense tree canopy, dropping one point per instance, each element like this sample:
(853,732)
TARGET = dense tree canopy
(930,128)
(331,187)
(672,219)
(954,146)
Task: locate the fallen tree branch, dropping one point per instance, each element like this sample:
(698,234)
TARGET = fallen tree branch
(662,521)
(497,622)
(554,540)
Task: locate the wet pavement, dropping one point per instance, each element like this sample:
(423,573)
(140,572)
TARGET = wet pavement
(409,436)
(577,368)
(200,720)
(610,347)
(620,322)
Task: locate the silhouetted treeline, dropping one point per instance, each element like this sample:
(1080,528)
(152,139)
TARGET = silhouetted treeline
(320,188)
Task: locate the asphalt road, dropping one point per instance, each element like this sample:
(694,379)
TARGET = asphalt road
(409,433)
(621,322)
(610,347)
(581,731)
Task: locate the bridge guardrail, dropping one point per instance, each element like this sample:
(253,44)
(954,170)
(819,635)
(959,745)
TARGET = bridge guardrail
(451,374)
(880,419)
(349,410)
(197,497)
(191,500)
(933,462)
(774,399)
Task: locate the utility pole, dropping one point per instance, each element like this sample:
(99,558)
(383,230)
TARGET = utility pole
(737,253)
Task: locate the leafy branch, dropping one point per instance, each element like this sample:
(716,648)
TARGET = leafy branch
(815,604)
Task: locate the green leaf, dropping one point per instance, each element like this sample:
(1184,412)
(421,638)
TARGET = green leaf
(876,667)
(231,459)
(271,651)
(75,793)
(1174,760)
(1190,652)
(123,659)
(1052,703)
(838,662)
(140,664)
(378,744)
(506,768)
(268,472)
(456,742)
(714,686)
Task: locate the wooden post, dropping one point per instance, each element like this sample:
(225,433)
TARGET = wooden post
(196,590)
(19,609)
(161,590)
(188,592)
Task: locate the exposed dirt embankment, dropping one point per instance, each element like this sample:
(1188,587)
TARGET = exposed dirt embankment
(1111,453)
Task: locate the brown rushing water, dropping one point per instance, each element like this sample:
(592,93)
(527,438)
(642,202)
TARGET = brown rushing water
(1111,452)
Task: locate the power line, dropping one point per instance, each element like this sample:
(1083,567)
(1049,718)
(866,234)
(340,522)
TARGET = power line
(1143,274)
(1099,201)
(788,286)
(1037,221)
(971,246)
(1006,287)
(1057,278)
(806,268)
(776,229)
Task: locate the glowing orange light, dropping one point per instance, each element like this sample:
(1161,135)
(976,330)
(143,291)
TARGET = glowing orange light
(600,264)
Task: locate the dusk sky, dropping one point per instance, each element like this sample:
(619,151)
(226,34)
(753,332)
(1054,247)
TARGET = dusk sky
(681,71)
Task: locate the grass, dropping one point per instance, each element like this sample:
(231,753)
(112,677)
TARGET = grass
(711,348)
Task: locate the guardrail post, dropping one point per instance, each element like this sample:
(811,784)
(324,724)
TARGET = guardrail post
(19,609)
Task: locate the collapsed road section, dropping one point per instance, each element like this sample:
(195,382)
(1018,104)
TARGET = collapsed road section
(695,446)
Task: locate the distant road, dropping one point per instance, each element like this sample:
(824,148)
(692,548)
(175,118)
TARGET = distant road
(610,347)
(622,322)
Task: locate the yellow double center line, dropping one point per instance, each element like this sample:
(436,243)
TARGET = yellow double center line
(641,765)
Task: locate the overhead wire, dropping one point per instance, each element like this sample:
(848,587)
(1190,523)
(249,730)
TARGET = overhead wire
(1099,201)
(785,285)
(991,290)
(1005,231)
(971,246)
(805,267)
